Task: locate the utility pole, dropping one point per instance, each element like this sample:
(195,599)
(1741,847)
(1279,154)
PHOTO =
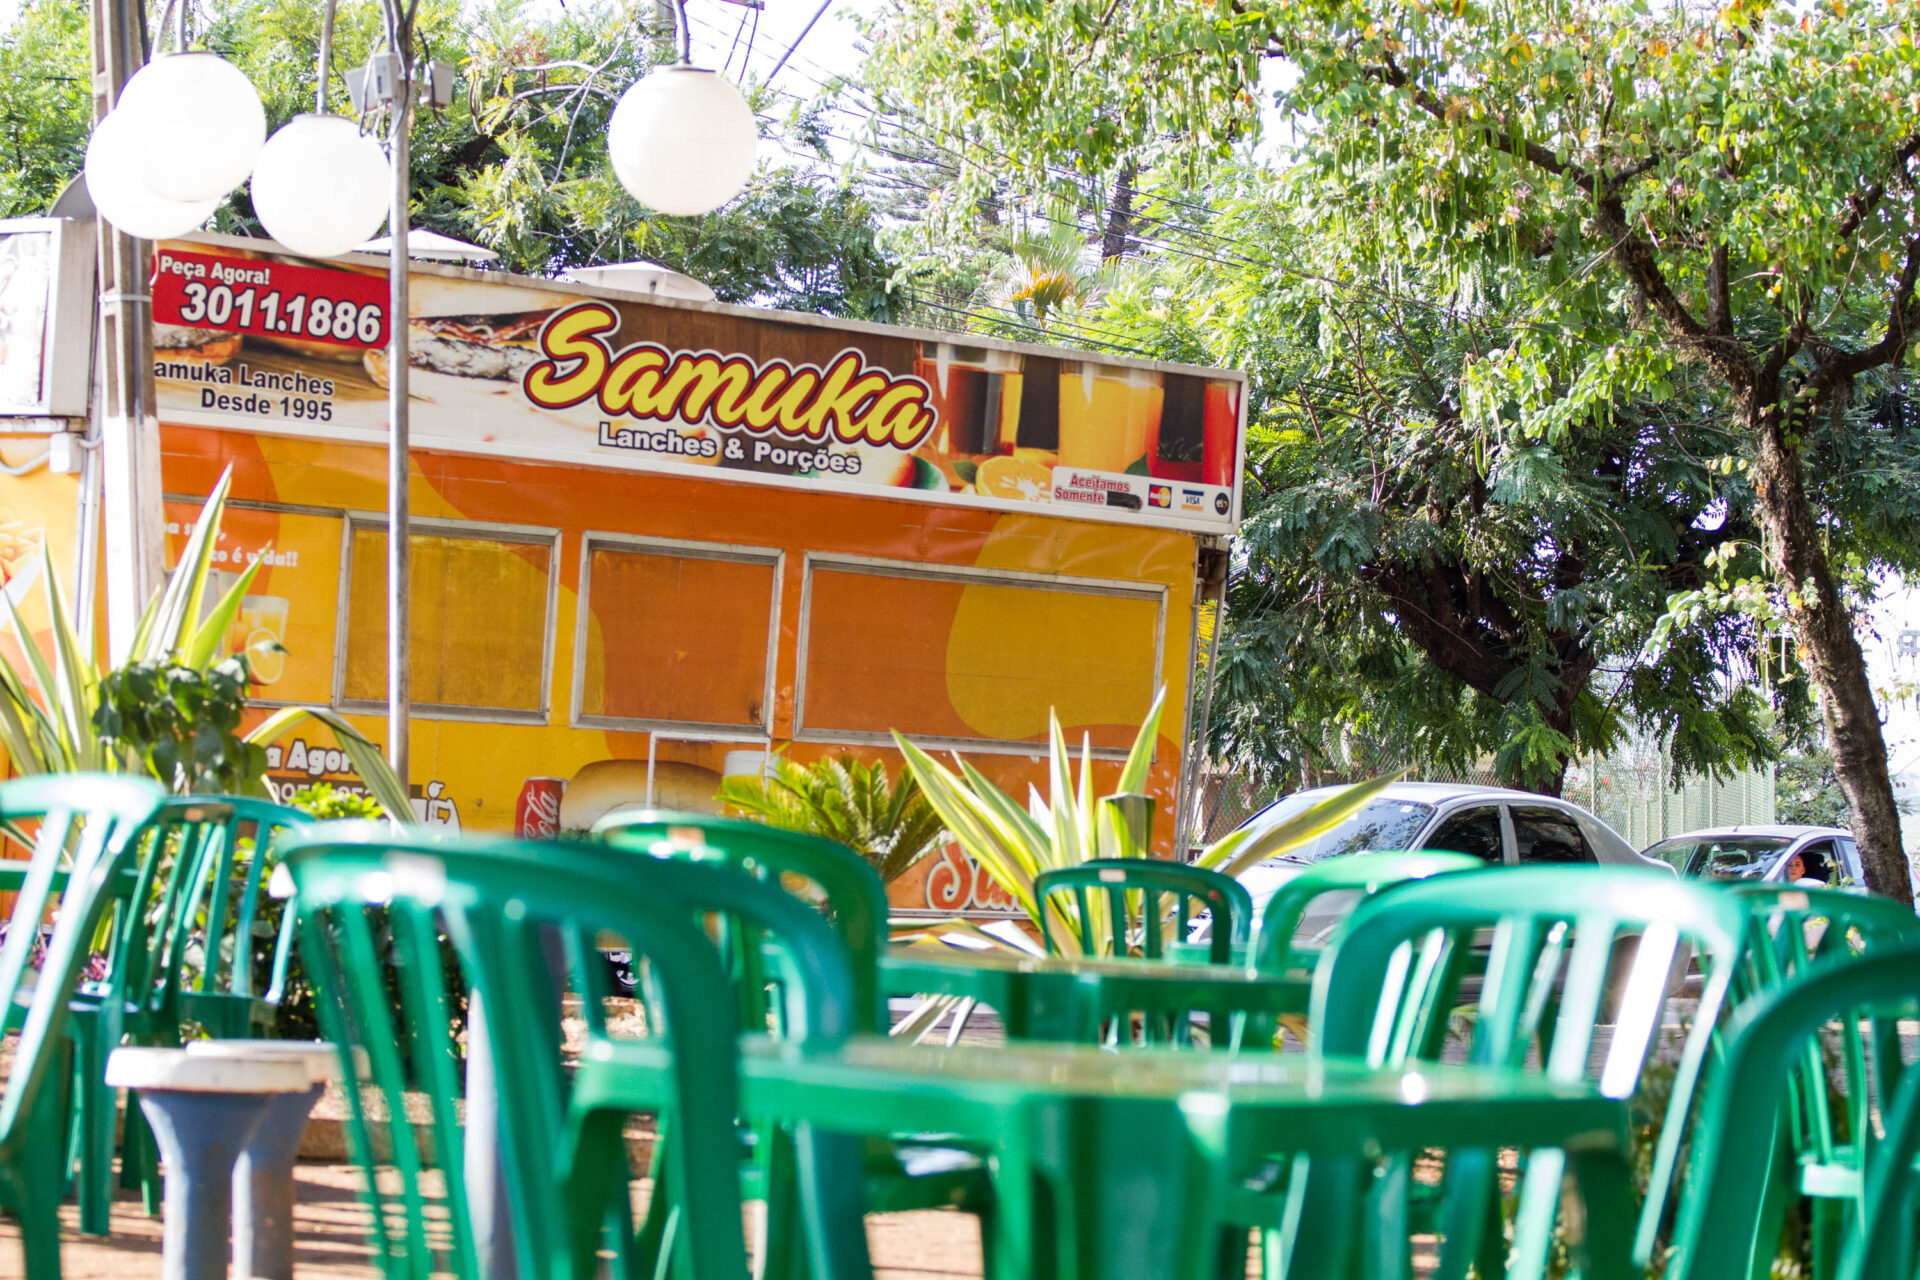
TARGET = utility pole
(132,510)
(399,15)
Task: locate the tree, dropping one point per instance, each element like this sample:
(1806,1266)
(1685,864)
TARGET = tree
(1727,196)
(1417,588)
(517,163)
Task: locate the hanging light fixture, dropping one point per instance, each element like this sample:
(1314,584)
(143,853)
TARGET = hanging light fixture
(114,182)
(681,140)
(200,125)
(321,187)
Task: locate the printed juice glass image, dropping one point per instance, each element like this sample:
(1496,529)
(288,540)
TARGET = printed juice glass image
(976,393)
(1107,415)
(1222,429)
(262,627)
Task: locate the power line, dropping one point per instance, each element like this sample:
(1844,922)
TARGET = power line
(817,15)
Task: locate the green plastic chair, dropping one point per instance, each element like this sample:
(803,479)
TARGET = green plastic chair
(1277,948)
(88,827)
(1122,908)
(908,1174)
(1567,942)
(137,1000)
(223,997)
(1767,1040)
(831,875)
(562,1147)
(1823,1140)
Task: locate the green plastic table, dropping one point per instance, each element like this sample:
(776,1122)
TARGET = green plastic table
(1060,998)
(1114,1166)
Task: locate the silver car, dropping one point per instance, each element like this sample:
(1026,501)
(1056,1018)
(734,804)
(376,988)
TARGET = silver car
(1499,826)
(1763,853)
(1502,827)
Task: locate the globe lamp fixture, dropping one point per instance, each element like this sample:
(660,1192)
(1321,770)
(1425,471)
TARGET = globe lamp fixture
(682,140)
(200,125)
(114,182)
(320,186)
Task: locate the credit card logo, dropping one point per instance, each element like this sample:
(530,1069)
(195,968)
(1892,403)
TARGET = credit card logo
(1193,499)
(1160,495)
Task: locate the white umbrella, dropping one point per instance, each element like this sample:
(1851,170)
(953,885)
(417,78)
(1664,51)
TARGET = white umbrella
(433,246)
(642,277)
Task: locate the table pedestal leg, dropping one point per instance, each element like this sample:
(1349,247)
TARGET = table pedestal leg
(263,1189)
(200,1135)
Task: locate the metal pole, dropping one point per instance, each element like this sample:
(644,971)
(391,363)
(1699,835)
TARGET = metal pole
(400,31)
(133,516)
(1183,822)
(326,61)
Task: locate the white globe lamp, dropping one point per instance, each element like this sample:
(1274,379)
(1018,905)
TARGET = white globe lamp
(121,196)
(682,140)
(320,185)
(201,125)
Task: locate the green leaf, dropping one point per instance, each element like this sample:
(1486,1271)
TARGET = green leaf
(386,786)
(1242,849)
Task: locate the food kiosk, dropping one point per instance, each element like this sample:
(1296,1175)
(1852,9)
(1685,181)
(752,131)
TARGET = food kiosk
(655,540)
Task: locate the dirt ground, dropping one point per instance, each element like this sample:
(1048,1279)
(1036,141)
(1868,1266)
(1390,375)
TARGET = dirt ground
(331,1238)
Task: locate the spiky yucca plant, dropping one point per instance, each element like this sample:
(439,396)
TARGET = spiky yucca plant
(49,721)
(1013,844)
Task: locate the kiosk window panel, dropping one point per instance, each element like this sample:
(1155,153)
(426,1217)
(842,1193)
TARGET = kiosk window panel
(677,637)
(978,657)
(479,626)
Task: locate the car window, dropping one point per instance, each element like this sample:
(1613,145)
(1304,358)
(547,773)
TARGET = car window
(1681,854)
(1541,834)
(1850,860)
(1816,863)
(1381,824)
(1474,831)
(1719,858)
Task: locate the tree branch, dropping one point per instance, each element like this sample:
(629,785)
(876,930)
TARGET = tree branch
(1861,204)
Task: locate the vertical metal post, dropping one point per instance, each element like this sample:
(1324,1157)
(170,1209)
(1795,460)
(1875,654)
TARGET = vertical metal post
(399,692)
(1191,773)
(134,516)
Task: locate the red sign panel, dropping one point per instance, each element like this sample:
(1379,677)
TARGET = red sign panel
(272,299)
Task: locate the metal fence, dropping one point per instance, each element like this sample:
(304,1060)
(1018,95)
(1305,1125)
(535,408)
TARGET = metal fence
(1630,792)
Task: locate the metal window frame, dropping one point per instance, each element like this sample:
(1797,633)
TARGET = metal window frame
(967,575)
(471,530)
(280,509)
(685,549)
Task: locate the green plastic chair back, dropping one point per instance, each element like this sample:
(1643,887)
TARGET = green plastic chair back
(815,869)
(1862,998)
(1569,946)
(1826,1137)
(498,903)
(1276,948)
(87,827)
(1125,906)
(223,997)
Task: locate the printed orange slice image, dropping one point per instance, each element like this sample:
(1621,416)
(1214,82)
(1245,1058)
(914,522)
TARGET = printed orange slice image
(265,658)
(1021,479)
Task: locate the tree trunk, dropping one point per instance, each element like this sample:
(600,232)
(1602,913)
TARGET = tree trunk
(1823,626)
(1113,240)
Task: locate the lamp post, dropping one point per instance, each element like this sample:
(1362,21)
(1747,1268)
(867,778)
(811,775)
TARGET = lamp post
(681,140)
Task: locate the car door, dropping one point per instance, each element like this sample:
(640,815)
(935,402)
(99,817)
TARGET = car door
(1544,834)
(1850,861)
(1475,830)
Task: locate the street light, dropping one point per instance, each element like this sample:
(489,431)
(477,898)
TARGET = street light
(681,140)
(320,185)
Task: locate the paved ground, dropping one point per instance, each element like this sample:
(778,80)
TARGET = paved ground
(332,1239)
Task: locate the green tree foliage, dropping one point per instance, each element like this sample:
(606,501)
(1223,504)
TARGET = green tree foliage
(518,163)
(1712,206)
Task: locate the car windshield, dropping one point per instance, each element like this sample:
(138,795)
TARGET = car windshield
(1719,857)
(1382,824)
